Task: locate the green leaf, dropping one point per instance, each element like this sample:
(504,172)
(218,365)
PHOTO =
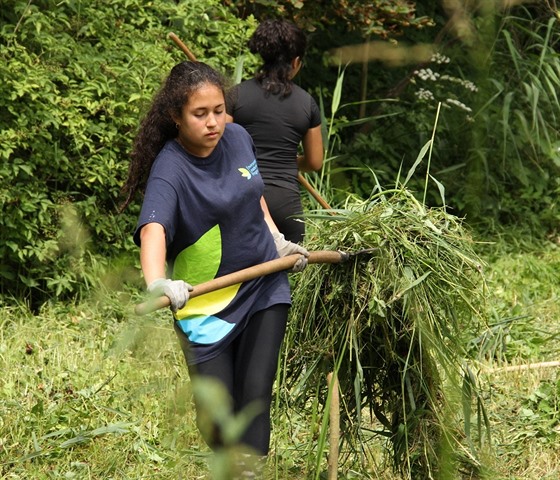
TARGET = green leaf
(419,159)
(337,93)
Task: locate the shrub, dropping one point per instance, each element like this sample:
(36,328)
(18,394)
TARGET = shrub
(496,148)
(75,78)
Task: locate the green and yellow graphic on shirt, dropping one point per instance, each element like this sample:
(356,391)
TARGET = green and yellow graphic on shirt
(196,264)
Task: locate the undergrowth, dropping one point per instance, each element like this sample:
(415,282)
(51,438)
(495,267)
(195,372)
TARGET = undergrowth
(92,391)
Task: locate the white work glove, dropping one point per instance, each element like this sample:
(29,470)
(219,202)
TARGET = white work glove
(176,290)
(285,247)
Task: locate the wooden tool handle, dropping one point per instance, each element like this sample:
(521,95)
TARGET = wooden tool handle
(260,270)
(182,46)
(313,192)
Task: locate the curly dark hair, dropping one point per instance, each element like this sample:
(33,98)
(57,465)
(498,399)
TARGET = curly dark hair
(278,42)
(158,125)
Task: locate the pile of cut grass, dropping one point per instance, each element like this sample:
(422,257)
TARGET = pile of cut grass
(391,322)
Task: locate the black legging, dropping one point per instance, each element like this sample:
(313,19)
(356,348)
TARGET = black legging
(247,368)
(285,207)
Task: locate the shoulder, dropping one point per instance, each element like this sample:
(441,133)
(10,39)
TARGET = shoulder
(234,130)
(237,145)
(249,83)
(306,101)
(242,94)
(300,93)
(249,87)
(168,156)
(236,133)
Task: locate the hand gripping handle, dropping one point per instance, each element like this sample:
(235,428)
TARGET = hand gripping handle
(260,270)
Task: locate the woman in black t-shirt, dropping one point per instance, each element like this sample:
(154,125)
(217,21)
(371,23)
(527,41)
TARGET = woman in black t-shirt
(279,115)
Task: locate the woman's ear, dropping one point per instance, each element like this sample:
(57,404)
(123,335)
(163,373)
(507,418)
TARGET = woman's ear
(296,64)
(176,121)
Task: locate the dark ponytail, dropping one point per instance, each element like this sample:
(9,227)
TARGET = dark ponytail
(278,42)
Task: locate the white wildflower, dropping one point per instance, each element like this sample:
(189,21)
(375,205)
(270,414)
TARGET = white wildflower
(470,86)
(427,74)
(423,94)
(458,104)
(439,58)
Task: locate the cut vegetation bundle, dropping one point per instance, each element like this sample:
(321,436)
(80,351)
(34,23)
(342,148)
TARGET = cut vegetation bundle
(390,323)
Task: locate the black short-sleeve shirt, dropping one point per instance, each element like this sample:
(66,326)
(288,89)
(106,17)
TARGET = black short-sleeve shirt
(277,125)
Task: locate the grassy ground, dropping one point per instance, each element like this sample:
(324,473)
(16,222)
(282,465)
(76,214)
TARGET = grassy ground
(523,403)
(91,391)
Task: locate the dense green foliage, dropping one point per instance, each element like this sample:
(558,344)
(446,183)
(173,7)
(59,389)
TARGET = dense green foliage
(381,18)
(75,76)
(494,77)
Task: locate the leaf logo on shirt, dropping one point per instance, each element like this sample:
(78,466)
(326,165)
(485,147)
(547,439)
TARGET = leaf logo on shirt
(245,173)
(250,170)
(196,264)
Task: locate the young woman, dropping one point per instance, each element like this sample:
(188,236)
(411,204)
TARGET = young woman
(203,216)
(279,115)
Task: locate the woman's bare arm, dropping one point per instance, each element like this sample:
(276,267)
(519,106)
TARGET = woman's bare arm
(152,252)
(313,153)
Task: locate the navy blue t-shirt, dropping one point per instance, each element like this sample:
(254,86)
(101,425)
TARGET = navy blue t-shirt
(214,225)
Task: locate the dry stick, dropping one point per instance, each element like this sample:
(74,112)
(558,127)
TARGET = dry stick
(528,366)
(334,420)
(313,192)
(182,46)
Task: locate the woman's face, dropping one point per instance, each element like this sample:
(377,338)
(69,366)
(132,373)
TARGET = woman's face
(202,120)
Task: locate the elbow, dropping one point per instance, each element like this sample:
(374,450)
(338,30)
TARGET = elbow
(315,165)
(306,164)
(318,165)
